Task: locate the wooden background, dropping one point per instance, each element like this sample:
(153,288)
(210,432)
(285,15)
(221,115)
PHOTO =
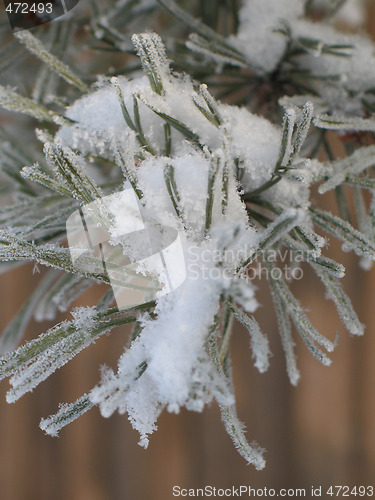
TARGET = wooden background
(321,433)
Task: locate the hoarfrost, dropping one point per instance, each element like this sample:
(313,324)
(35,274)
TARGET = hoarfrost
(349,75)
(189,184)
(341,64)
(253,141)
(258,37)
(84,317)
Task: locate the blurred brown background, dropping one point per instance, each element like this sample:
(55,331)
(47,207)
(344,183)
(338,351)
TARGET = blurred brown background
(321,433)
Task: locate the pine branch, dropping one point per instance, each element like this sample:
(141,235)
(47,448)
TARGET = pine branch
(35,47)
(15,102)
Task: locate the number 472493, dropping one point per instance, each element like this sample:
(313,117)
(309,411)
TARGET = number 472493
(26,8)
(346,491)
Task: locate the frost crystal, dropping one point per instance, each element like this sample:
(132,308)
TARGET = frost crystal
(259,36)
